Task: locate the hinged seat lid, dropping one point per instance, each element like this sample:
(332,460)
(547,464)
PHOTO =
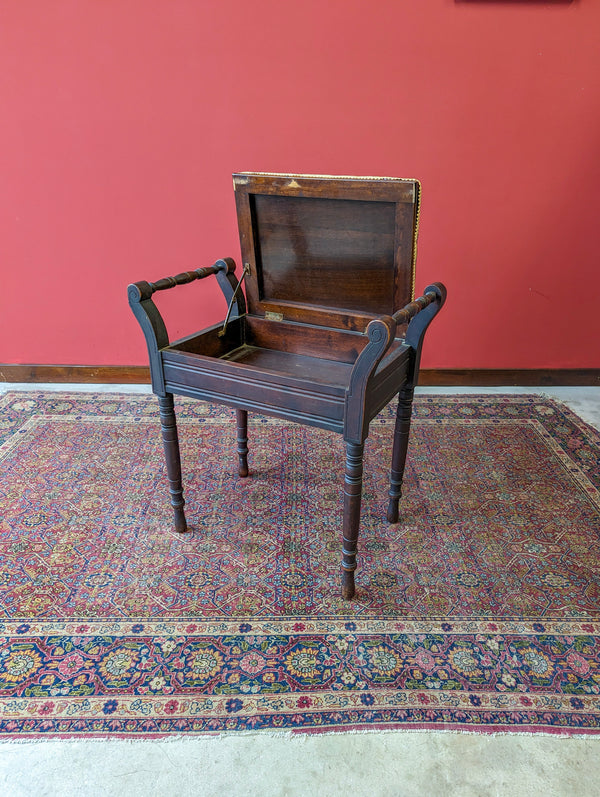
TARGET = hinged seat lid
(331,251)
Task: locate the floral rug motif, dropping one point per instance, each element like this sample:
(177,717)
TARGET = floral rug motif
(478,611)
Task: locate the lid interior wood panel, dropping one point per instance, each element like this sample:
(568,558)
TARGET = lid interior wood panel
(326,250)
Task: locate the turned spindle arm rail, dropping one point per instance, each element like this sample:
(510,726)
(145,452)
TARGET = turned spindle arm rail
(385,326)
(183,278)
(410,310)
(221,268)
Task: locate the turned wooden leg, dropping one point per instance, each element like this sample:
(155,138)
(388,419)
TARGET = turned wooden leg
(168,427)
(401,434)
(242,441)
(352,497)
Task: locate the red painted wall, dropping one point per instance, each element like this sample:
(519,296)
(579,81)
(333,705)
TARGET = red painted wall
(122,121)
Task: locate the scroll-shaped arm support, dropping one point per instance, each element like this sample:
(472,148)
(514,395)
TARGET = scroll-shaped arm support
(418,314)
(418,324)
(381,333)
(151,321)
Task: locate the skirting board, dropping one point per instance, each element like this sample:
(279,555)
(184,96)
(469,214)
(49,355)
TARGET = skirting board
(140,374)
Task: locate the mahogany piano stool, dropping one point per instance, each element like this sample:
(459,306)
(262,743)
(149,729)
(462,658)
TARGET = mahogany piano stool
(326,334)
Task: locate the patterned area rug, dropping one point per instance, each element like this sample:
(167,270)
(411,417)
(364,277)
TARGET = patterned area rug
(478,611)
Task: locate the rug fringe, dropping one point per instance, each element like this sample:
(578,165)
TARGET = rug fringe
(296,737)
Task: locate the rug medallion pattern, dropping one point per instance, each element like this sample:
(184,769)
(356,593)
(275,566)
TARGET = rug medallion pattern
(478,611)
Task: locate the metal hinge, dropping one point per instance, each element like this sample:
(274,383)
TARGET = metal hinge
(273,316)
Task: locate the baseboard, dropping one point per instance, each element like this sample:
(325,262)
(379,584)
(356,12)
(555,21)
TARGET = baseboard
(498,377)
(102,374)
(449,377)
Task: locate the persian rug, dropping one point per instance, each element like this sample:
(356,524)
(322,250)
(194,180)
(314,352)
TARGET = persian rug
(479,611)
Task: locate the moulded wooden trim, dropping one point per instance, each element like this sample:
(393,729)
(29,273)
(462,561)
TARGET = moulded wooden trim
(448,377)
(492,377)
(102,374)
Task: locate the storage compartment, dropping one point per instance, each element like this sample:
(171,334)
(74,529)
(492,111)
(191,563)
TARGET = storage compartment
(305,351)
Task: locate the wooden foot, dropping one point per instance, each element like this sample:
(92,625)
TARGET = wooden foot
(393,514)
(348,588)
(179,521)
(168,427)
(401,435)
(352,499)
(242,441)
